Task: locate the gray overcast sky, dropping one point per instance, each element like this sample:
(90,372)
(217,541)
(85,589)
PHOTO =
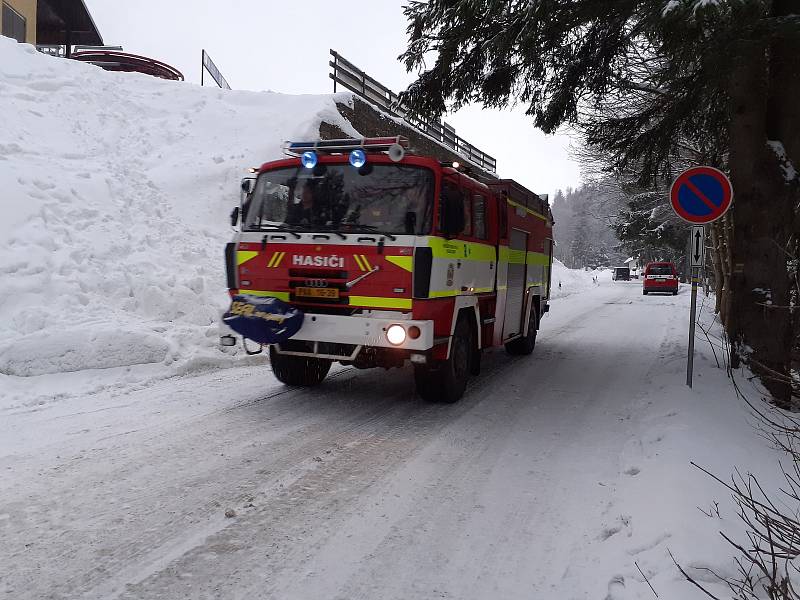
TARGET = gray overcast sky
(283,46)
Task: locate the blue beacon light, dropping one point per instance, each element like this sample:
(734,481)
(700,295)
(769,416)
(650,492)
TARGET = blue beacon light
(309,159)
(358,158)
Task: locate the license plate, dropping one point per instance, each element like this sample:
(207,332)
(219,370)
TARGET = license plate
(309,292)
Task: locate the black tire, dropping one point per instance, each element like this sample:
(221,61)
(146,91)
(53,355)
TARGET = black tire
(447,381)
(299,371)
(524,345)
(644,292)
(675,293)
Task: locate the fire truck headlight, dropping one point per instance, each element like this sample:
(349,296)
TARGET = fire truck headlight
(309,159)
(358,158)
(396,334)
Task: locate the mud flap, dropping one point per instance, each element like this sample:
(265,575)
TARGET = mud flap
(263,320)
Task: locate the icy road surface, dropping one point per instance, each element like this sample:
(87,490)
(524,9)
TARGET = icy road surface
(360,490)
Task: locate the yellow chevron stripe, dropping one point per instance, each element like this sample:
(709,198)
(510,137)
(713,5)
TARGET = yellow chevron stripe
(242,256)
(280,258)
(272,260)
(358,262)
(404,262)
(366,262)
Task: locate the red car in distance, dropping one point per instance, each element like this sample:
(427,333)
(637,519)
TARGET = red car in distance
(660,277)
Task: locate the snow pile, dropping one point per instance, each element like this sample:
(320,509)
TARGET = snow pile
(116,190)
(566,281)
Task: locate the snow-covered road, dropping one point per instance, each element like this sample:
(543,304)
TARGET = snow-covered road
(356,489)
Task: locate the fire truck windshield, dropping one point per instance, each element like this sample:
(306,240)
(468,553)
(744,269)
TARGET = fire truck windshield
(392,199)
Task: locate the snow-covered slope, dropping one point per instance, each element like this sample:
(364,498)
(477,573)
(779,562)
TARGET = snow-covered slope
(115,191)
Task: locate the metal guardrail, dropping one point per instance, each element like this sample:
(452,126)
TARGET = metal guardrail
(216,75)
(60,50)
(357,81)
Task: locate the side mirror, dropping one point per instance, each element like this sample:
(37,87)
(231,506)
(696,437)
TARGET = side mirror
(234,216)
(248,185)
(453,219)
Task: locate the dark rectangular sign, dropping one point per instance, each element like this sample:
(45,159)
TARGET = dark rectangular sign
(212,69)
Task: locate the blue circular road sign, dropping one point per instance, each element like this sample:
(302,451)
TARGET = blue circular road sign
(701,195)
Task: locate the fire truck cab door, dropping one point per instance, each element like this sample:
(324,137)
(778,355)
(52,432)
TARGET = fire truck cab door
(517,276)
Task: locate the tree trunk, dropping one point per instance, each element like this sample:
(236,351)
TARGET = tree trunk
(783,133)
(721,241)
(759,322)
(727,270)
(716,257)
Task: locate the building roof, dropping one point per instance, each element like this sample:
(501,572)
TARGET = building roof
(62,21)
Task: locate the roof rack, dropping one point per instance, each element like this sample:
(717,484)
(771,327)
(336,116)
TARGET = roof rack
(373,144)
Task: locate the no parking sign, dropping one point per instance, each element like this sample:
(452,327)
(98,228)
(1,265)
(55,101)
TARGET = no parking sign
(699,195)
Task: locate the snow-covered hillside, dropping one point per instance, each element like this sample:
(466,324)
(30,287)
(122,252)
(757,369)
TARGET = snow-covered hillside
(116,190)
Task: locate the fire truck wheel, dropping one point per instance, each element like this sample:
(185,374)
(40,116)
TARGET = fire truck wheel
(447,381)
(524,345)
(298,370)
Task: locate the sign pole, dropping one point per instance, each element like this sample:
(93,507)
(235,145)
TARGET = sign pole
(697,257)
(699,195)
(692,315)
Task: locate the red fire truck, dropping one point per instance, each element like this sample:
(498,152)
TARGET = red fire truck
(391,257)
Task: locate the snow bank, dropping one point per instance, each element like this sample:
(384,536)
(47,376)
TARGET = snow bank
(116,190)
(566,281)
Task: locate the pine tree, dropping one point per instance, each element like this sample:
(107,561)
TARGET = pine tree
(648,229)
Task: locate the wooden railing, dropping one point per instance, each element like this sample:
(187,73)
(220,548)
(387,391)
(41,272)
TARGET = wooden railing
(349,76)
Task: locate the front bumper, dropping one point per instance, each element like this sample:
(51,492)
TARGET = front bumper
(356,330)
